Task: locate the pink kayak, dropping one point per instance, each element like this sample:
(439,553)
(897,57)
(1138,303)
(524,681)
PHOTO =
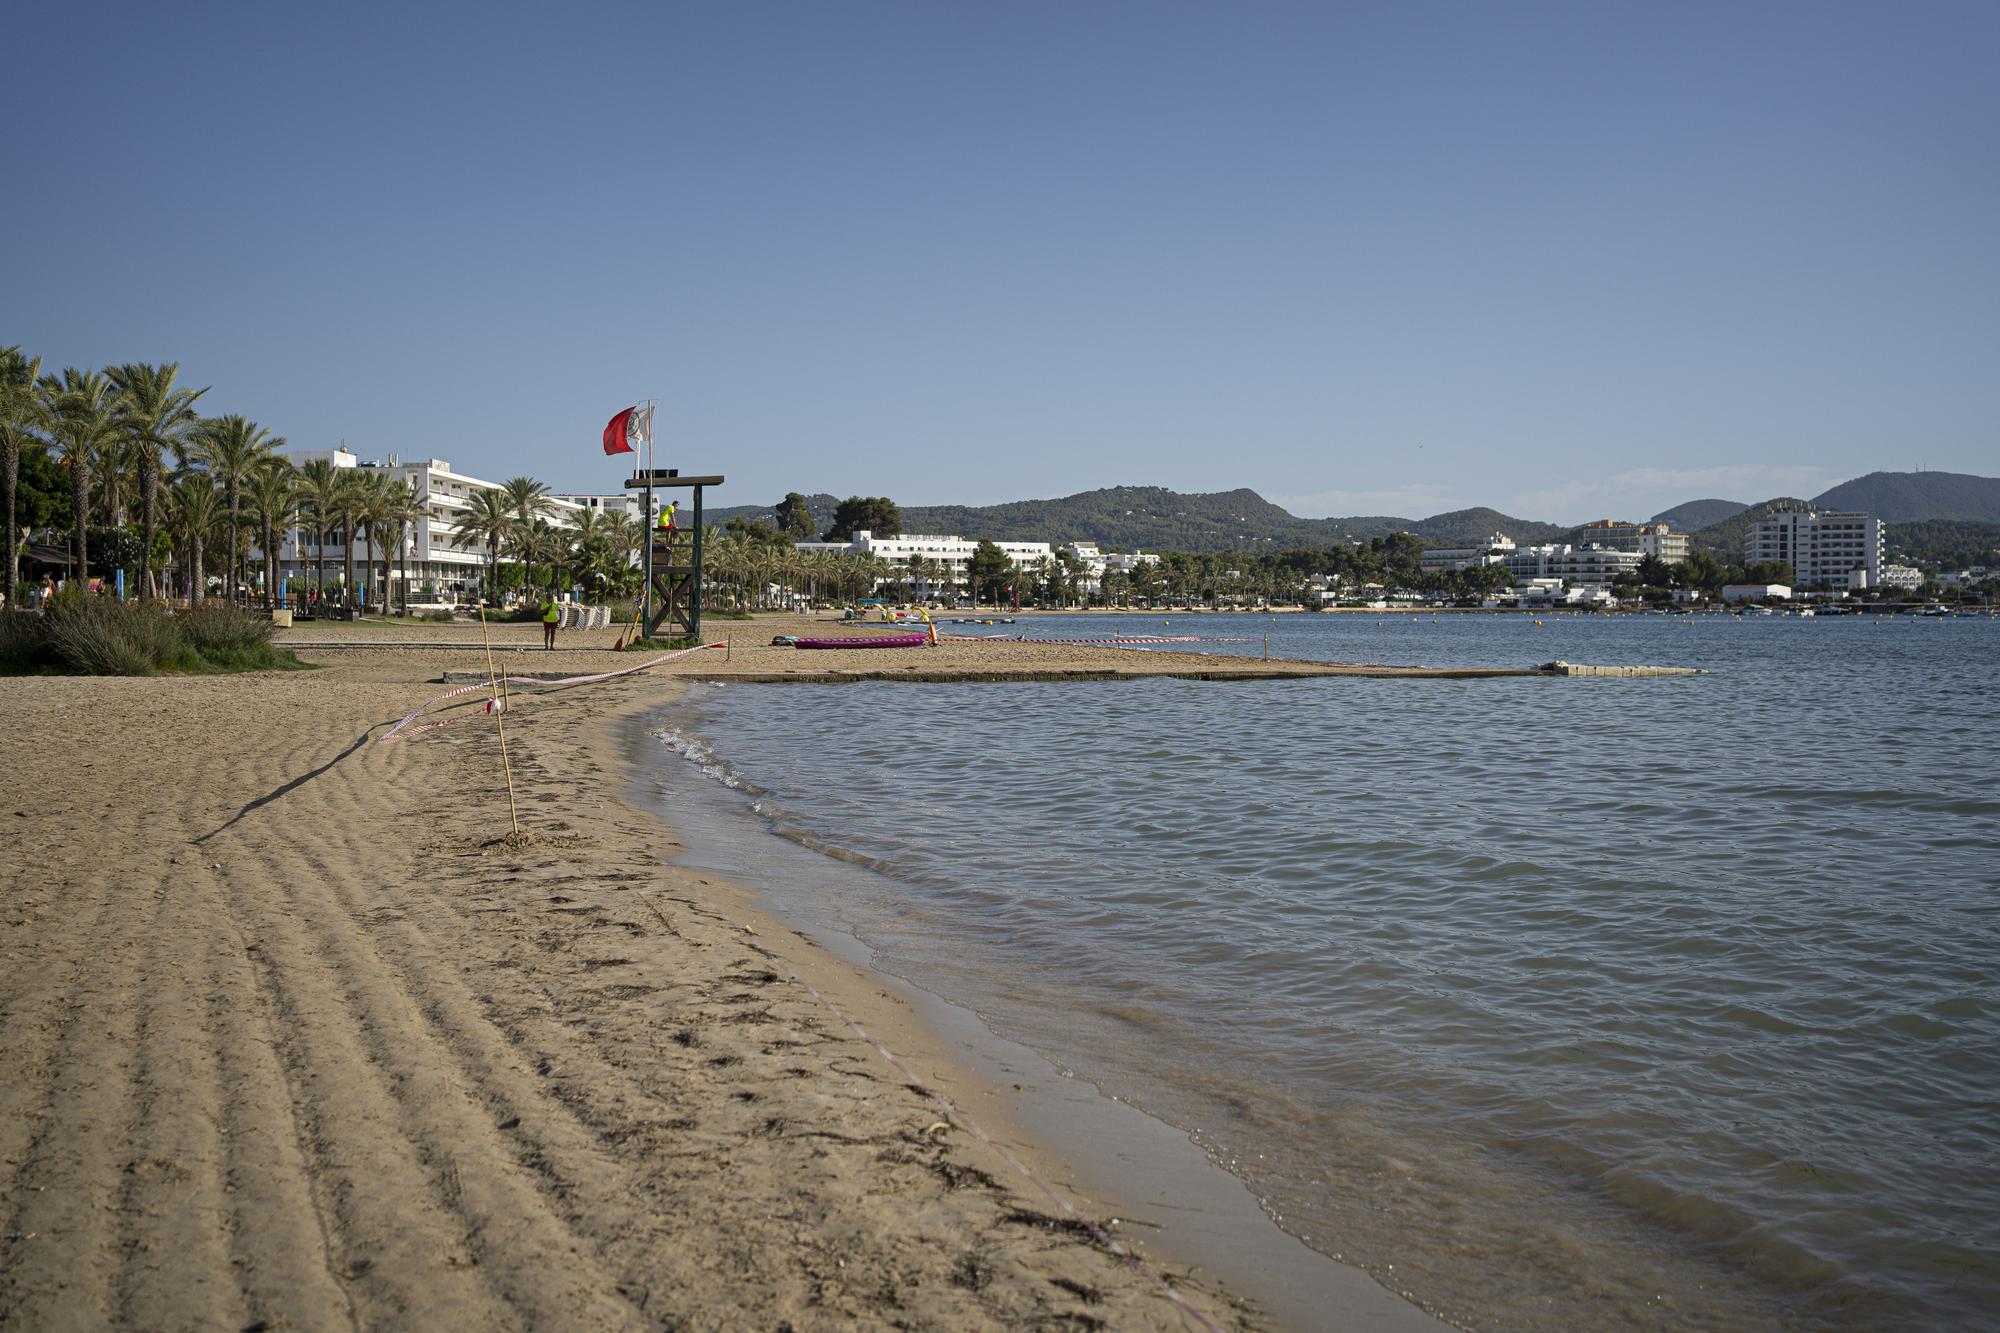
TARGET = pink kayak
(865,641)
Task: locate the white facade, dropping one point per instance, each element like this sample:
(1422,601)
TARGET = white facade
(434,558)
(1439,559)
(1822,547)
(1901,577)
(630,503)
(1571,564)
(1097,563)
(1658,540)
(1756,592)
(947,556)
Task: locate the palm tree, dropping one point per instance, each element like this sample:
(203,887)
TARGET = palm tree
(117,465)
(274,498)
(318,488)
(82,416)
(536,539)
(623,535)
(22,411)
(233,448)
(403,508)
(371,511)
(488,518)
(528,501)
(194,512)
(157,416)
(350,499)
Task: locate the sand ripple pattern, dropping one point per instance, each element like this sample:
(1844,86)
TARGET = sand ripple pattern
(320,1054)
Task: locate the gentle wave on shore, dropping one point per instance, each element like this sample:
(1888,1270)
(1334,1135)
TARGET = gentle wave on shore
(1639,1002)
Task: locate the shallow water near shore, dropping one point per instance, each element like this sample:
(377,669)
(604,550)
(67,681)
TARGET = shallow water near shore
(1578,1002)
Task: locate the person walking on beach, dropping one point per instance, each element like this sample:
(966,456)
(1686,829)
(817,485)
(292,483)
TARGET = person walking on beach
(550,617)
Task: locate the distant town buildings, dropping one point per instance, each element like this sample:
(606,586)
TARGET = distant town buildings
(1608,548)
(946,558)
(1450,559)
(1824,548)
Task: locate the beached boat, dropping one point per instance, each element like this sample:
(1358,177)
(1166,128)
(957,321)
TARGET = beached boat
(863,641)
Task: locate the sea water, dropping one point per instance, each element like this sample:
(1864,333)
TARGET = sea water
(1557,1002)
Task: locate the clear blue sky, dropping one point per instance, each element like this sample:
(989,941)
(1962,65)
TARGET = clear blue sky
(1571,260)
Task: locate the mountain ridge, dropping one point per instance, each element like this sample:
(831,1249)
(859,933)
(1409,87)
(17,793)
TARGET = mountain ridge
(1158,518)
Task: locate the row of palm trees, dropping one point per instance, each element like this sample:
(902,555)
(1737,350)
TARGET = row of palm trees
(754,575)
(122,426)
(216,484)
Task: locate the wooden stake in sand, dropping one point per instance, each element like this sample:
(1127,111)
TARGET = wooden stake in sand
(499,685)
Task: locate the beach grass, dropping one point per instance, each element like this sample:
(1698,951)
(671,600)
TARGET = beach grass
(78,635)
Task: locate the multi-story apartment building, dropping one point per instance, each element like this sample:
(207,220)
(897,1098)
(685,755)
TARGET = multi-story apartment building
(1655,539)
(947,556)
(434,559)
(1824,548)
(629,503)
(1440,559)
(1571,564)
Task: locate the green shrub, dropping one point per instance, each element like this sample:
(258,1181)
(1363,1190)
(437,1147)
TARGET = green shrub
(95,636)
(439,617)
(24,644)
(220,627)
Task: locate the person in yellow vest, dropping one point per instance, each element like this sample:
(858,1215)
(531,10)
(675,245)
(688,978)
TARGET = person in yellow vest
(551,617)
(668,516)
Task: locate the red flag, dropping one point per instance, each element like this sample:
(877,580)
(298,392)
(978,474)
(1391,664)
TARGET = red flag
(617,433)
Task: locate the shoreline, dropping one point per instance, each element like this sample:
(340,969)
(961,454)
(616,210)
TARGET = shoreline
(291,1035)
(1146,1170)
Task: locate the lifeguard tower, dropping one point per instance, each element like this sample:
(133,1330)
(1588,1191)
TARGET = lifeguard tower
(673,557)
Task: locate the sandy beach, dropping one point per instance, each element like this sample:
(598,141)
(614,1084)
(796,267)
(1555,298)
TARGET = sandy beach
(291,1037)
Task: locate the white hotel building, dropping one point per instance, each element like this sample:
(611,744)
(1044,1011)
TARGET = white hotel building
(1823,547)
(436,560)
(1574,565)
(630,503)
(949,555)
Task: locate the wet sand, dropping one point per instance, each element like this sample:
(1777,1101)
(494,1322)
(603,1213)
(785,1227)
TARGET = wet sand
(290,1037)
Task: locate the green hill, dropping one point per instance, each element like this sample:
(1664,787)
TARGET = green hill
(1469,527)
(1944,543)
(1124,517)
(1154,518)
(1157,519)
(1915,497)
(1698,514)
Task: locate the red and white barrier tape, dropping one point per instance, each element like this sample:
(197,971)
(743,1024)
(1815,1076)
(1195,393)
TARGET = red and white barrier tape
(526,682)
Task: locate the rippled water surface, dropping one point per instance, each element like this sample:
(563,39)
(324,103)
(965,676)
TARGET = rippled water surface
(1580,1002)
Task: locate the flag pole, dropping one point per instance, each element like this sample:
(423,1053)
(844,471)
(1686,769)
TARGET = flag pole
(646,523)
